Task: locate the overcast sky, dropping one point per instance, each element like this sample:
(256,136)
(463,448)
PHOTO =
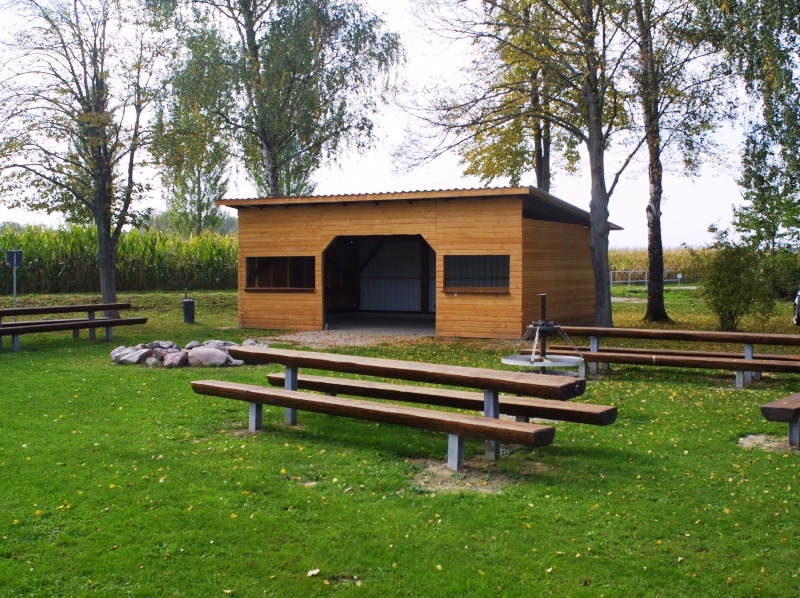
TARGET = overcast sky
(689,206)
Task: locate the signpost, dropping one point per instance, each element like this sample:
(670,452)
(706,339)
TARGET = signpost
(14,259)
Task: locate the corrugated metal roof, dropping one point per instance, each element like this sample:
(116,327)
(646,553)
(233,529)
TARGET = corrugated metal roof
(538,204)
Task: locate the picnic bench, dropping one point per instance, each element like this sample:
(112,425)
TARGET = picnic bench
(786,410)
(747,365)
(15,329)
(458,426)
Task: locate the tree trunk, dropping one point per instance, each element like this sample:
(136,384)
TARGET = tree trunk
(107,262)
(598,219)
(649,93)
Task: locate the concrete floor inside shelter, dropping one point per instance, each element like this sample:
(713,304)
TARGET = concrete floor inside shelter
(383,323)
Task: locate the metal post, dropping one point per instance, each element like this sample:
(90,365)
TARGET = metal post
(594,347)
(290,383)
(455,452)
(491,408)
(748,354)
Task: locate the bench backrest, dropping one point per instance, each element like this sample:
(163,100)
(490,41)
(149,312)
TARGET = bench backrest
(537,385)
(708,336)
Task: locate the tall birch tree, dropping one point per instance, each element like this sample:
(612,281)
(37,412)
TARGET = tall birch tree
(79,78)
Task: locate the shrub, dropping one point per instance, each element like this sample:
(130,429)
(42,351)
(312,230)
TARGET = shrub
(733,282)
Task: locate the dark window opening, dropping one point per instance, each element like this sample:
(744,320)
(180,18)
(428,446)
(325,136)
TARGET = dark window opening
(285,273)
(476,273)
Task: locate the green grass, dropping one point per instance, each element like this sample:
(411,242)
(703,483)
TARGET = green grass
(119,481)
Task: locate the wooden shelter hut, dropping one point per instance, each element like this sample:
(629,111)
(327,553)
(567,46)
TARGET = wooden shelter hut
(472,259)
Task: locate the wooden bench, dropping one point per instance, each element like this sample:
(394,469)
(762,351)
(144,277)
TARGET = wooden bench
(456,425)
(523,408)
(91,322)
(747,365)
(786,410)
(492,382)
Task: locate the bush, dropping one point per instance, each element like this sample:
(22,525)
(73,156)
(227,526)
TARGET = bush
(734,284)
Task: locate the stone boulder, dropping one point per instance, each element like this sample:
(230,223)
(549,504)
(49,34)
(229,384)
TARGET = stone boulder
(176,359)
(208,357)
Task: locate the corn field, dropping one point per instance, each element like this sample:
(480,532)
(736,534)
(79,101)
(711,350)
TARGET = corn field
(64,260)
(677,259)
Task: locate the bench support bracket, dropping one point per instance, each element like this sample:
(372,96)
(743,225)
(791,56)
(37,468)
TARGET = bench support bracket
(794,433)
(455,452)
(491,408)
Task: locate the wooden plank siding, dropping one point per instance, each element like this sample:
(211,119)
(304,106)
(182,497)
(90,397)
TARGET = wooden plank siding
(558,262)
(542,256)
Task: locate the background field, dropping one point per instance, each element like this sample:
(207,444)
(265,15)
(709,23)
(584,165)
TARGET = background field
(119,481)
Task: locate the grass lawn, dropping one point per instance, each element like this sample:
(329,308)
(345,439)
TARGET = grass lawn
(119,481)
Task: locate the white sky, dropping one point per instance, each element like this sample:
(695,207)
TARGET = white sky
(689,206)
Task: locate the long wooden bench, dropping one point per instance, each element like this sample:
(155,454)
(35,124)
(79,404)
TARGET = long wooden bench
(786,410)
(91,322)
(746,365)
(491,382)
(456,425)
(523,408)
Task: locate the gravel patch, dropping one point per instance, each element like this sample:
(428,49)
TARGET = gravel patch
(324,339)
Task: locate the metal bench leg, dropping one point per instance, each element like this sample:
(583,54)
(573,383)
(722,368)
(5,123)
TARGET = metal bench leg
(455,452)
(76,333)
(739,379)
(290,383)
(748,354)
(256,416)
(109,334)
(15,342)
(794,433)
(491,408)
(92,331)
(582,370)
(594,347)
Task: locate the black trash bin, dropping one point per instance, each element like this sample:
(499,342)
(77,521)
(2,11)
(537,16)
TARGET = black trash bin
(188,311)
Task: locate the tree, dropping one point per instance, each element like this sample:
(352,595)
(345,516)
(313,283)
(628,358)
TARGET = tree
(577,50)
(78,79)
(190,144)
(681,87)
(762,42)
(771,219)
(305,79)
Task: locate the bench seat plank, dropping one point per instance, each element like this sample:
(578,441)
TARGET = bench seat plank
(706,336)
(710,361)
(61,309)
(56,325)
(564,350)
(782,410)
(584,413)
(550,387)
(439,421)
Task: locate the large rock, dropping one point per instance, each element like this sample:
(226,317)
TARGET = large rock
(207,357)
(135,357)
(163,345)
(178,359)
(219,344)
(191,345)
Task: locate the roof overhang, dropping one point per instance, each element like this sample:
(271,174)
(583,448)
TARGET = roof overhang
(536,204)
